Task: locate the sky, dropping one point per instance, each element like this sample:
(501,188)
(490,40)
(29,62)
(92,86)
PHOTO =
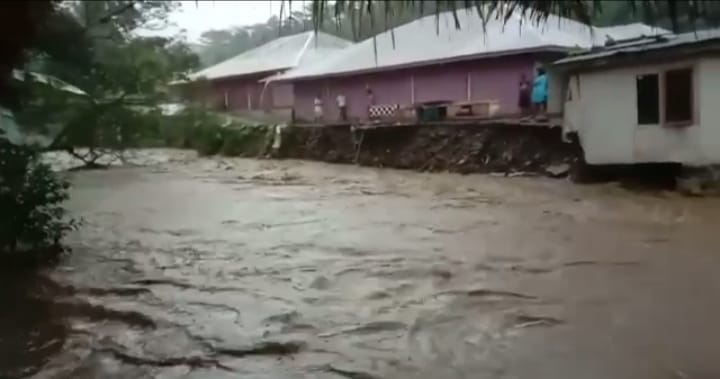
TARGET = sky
(197,17)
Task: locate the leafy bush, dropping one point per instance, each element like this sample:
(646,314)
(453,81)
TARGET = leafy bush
(33,219)
(185,129)
(207,139)
(209,133)
(245,140)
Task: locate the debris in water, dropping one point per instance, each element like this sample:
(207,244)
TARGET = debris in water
(115,291)
(442,273)
(527,321)
(169,282)
(490,293)
(100,313)
(592,263)
(192,362)
(371,327)
(263,348)
(352,374)
(531,270)
(285,317)
(320,283)
(557,170)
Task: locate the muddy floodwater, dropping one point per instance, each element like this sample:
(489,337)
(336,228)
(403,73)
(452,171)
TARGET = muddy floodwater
(228,268)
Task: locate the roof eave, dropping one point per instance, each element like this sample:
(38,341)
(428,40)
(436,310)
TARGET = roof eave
(463,58)
(239,76)
(620,57)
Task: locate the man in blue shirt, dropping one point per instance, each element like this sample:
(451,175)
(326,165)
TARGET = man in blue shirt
(540,92)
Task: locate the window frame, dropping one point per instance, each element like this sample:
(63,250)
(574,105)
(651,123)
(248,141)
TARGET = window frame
(660,98)
(693,97)
(661,72)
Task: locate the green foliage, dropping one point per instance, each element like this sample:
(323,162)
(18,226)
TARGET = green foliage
(245,140)
(609,12)
(33,219)
(126,77)
(209,134)
(188,128)
(207,139)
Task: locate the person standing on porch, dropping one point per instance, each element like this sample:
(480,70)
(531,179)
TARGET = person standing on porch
(342,106)
(371,99)
(524,102)
(540,93)
(318,108)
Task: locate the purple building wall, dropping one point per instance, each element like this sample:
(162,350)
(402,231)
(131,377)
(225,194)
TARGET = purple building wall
(282,95)
(242,92)
(489,79)
(274,95)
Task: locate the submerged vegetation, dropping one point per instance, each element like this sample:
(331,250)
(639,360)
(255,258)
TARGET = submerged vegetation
(209,134)
(33,220)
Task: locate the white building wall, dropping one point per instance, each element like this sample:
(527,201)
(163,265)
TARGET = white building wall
(709,108)
(604,113)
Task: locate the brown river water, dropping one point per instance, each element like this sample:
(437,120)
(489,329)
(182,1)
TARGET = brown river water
(230,268)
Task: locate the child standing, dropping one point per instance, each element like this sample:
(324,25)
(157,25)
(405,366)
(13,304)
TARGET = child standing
(318,108)
(342,106)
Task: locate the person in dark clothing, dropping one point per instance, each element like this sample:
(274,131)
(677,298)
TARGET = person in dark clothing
(524,97)
(370,98)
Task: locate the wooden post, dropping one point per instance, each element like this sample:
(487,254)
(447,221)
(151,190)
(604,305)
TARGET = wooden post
(469,87)
(249,99)
(412,89)
(227,101)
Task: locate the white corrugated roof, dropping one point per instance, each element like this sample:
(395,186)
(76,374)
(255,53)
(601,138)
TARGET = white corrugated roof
(644,45)
(435,39)
(279,54)
(631,31)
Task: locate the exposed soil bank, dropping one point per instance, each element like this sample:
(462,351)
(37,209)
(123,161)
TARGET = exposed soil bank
(463,149)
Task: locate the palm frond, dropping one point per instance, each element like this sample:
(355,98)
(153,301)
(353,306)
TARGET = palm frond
(535,11)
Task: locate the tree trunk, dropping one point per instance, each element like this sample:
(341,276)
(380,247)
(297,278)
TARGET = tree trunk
(19,25)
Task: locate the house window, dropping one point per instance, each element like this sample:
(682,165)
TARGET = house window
(678,96)
(674,107)
(648,99)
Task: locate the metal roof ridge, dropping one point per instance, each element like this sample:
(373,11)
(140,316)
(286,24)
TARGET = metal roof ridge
(311,36)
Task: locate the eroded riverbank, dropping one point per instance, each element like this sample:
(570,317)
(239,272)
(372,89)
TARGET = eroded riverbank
(225,268)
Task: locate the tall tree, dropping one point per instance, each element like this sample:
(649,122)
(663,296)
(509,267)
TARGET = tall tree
(119,72)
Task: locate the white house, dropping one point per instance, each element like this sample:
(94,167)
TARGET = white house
(647,100)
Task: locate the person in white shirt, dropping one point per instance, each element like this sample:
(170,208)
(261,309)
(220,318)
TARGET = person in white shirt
(342,107)
(318,108)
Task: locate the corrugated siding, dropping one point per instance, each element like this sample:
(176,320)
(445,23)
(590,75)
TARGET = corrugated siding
(238,91)
(441,83)
(500,81)
(282,95)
